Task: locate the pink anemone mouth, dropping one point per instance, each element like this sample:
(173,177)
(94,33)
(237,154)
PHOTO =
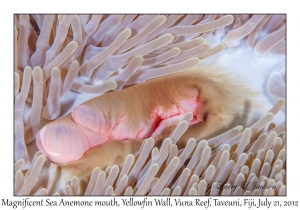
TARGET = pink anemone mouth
(68,138)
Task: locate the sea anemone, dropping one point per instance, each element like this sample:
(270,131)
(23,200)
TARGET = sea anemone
(149,105)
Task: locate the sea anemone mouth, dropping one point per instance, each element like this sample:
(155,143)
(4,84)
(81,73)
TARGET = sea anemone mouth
(91,126)
(218,130)
(160,104)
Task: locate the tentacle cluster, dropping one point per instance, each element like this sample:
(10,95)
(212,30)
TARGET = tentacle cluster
(229,164)
(62,61)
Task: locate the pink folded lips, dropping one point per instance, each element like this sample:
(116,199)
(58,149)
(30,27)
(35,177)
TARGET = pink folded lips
(68,138)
